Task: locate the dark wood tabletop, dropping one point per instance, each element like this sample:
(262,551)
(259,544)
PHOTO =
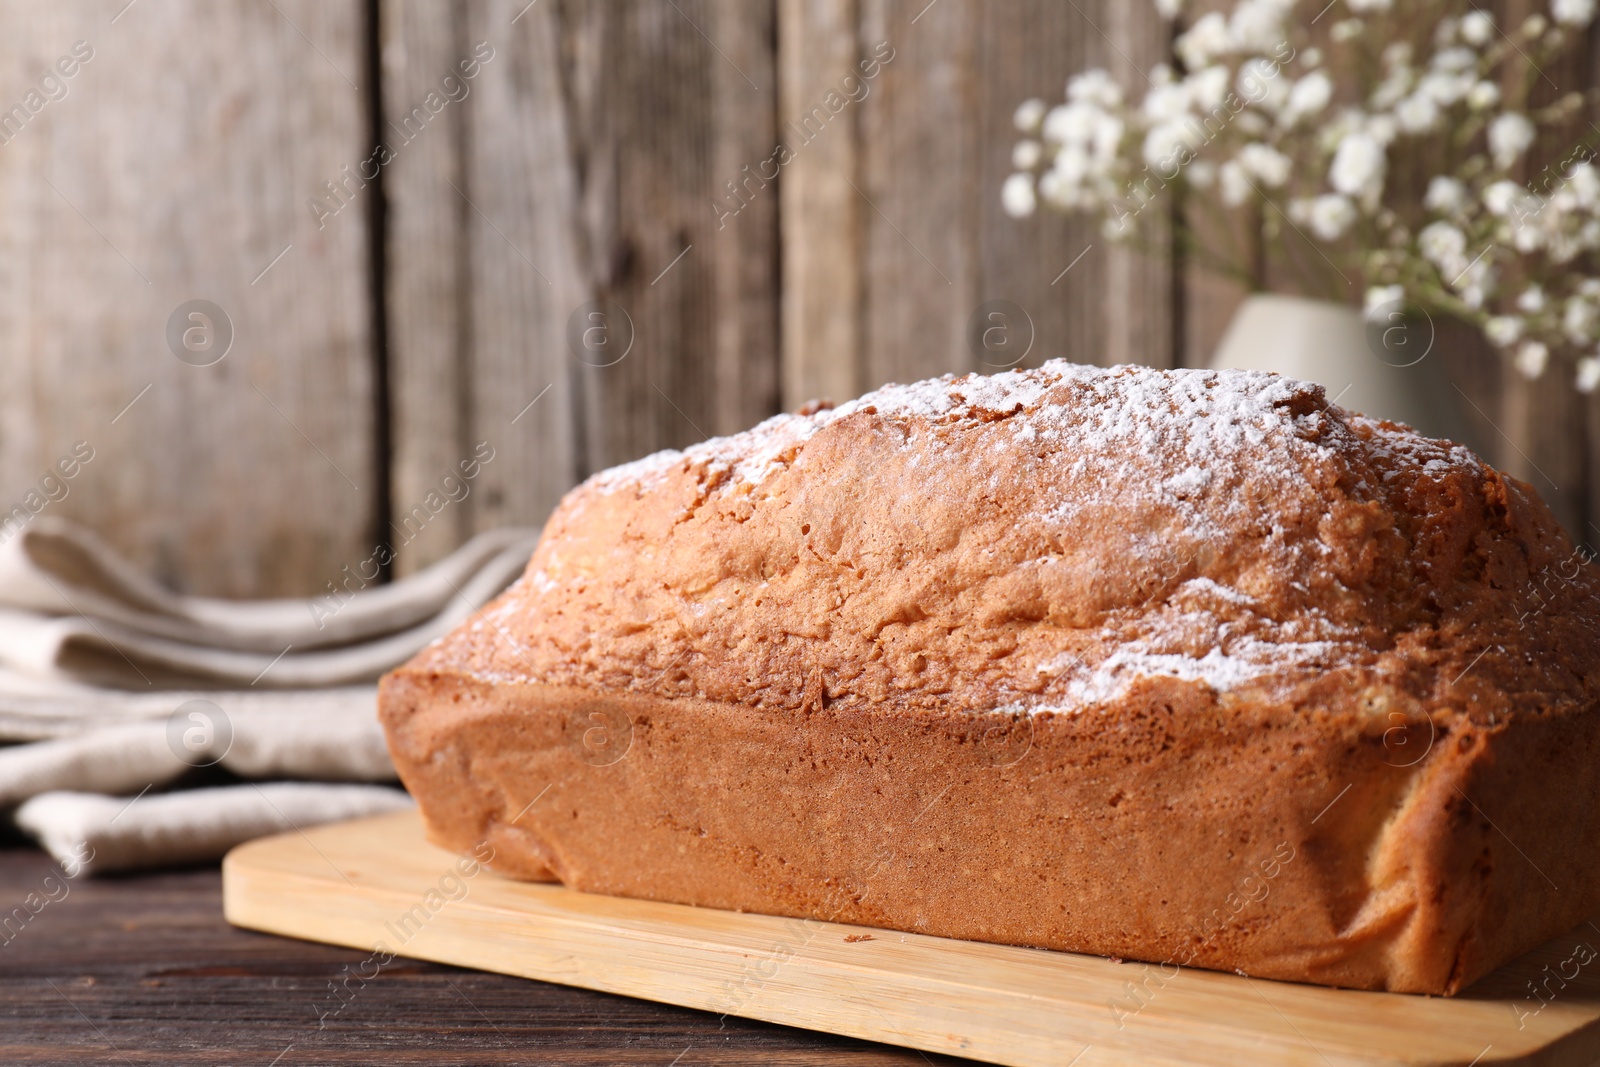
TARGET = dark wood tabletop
(143,970)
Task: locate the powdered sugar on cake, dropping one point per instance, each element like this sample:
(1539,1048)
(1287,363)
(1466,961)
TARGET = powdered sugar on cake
(1198,418)
(1035,538)
(1249,662)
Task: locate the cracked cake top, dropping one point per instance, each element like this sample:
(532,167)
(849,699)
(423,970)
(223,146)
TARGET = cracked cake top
(1043,539)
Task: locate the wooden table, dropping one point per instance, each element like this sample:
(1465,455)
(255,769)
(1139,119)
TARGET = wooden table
(142,969)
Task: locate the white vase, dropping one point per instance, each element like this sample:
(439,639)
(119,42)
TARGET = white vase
(1359,364)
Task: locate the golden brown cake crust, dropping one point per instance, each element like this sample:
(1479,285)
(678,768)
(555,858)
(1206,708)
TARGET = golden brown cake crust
(1207,670)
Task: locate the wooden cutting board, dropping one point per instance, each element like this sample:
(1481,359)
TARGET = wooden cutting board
(377,884)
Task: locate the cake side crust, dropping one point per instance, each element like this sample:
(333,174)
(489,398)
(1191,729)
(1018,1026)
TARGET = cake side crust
(1163,827)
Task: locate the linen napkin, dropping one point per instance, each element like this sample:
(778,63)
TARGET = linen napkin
(118,689)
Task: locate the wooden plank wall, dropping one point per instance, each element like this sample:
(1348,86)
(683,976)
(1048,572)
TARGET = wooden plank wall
(892,233)
(176,167)
(765,202)
(576,176)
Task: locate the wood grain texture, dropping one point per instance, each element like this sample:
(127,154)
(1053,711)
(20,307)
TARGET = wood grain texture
(582,169)
(428,273)
(178,166)
(919,180)
(1545,431)
(376,884)
(486,265)
(661,96)
(1141,285)
(143,969)
(893,235)
(822,210)
(1051,265)
(745,272)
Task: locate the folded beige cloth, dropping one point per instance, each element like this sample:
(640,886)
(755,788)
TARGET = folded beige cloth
(121,687)
(91,834)
(72,608)
(33,709)
(263,743)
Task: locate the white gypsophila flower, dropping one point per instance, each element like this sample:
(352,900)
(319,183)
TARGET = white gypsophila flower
(1531,300)
(1379,295)
(1168,147)
(1443,87)
(1534,25)
(1588,374)
(1477,28)
(1029,114)
(1446,195)
(1071,166)
(1169,9)
(1346,30)
(1584,183)
(1060,190)
(1358,167)
(1257,25)
(1204,41)
(1167,103)
(1331,215)
(1266,163)
(1017,196)
(1526,238)
(1510,134)
(1442,245)
(1572,12)
(1207,88)
(1578,320)
(1392,89)
(1026,155)
(1417,113)
(1531,358)
(1095,86)
(1333,130)
(1262,83)
(1483,95)
(1106,138)
(1053,189)
(1117,230)
(1503,197)
(1455,60)
(1503,330)
(1202,174)
(1070,124)
(1308,97)
(1382,128)
(1363,6)
(1234,183)
(1562,247)
(1252,123)
(1475,284)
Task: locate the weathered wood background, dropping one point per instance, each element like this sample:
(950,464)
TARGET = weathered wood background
(590,159)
